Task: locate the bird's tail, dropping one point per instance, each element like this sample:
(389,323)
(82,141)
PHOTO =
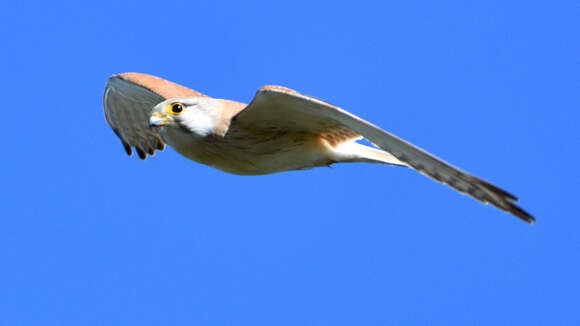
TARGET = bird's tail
(355,152)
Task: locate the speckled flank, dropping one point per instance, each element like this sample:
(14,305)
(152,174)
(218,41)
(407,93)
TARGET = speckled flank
(338,135)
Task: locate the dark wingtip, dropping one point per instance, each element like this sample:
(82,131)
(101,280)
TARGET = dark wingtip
(127,148)
(509,200)
(141,153)
(521,214)
(159,145)
(496,189)
(126,145)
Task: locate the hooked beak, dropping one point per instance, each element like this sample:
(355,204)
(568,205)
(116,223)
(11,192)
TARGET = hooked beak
(158,120)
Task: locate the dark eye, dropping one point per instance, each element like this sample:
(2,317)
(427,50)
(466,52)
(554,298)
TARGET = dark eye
(176,107)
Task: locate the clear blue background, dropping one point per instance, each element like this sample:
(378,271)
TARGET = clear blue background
(89,236)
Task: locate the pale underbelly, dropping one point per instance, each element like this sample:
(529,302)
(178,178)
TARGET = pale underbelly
(254,157)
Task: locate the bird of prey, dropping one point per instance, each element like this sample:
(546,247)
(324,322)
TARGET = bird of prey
(280,130)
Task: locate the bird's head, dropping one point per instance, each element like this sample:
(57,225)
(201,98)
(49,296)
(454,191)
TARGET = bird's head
(199,115)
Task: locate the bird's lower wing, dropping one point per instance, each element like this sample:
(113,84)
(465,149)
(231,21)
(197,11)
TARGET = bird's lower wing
(128,101)
(275,106)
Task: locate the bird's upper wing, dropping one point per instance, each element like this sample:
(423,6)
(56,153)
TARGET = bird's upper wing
(128,101)
(279,107)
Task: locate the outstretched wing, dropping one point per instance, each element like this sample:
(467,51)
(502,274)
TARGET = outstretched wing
(128,101)
(275,106)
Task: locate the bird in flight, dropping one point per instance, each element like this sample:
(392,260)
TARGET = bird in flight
(280,130)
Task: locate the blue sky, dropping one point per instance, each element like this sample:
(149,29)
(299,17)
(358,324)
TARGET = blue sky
(91,237)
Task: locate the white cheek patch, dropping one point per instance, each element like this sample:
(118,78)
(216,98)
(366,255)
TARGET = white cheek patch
(199,122)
